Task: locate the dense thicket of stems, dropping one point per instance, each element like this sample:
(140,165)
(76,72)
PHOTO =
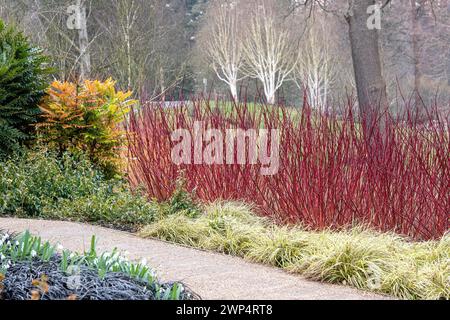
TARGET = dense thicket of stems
(328,177)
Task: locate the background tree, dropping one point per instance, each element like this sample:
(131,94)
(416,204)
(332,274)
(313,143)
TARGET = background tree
(155,47)
(316,70)
(271,51)
(370,83)
(223,42)
(83,39)
(143,43)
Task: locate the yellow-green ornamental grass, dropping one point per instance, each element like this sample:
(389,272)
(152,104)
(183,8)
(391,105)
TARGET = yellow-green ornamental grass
(379,262)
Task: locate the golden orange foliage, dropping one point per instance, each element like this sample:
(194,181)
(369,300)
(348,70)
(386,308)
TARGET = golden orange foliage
(86,118)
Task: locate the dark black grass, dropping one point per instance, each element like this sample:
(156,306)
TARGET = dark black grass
(45,280)
(86,284)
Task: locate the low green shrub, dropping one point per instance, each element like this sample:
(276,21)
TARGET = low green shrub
(23,80)
(181,201)
(40,184)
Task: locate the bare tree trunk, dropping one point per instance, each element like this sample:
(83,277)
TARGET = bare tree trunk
(418,102)
(448,67)
(162,84)
(127,35)
(271,100)
(224,43)
(233,89)
(35,20)
(270,49)
(270,96)
(370,84)
(448,44)
(85,58)
(128,44)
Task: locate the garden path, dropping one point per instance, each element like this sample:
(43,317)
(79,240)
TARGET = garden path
(211,275)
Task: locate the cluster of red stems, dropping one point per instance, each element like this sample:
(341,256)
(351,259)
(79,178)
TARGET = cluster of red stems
(329,175)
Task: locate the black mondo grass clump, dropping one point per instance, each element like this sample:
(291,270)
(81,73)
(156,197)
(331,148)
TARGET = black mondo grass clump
(44,280)
(33,270)
(23,80)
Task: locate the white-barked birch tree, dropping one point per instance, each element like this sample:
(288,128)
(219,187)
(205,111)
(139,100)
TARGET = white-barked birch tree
(316,69)
(224,43)
(271,52)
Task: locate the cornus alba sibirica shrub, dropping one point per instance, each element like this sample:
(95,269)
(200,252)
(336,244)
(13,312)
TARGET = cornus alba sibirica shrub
(329,175)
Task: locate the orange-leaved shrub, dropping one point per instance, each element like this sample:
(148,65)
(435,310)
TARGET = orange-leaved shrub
(86,118)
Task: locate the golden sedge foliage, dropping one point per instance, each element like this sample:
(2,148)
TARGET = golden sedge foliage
(379,262)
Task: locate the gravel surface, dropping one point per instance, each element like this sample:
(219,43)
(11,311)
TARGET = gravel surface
(211,275)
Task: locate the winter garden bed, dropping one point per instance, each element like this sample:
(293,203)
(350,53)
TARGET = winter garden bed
(360,257)
(34,270)
(40,185)
(63,155)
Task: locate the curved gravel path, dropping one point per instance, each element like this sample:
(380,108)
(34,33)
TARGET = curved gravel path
(211,275)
